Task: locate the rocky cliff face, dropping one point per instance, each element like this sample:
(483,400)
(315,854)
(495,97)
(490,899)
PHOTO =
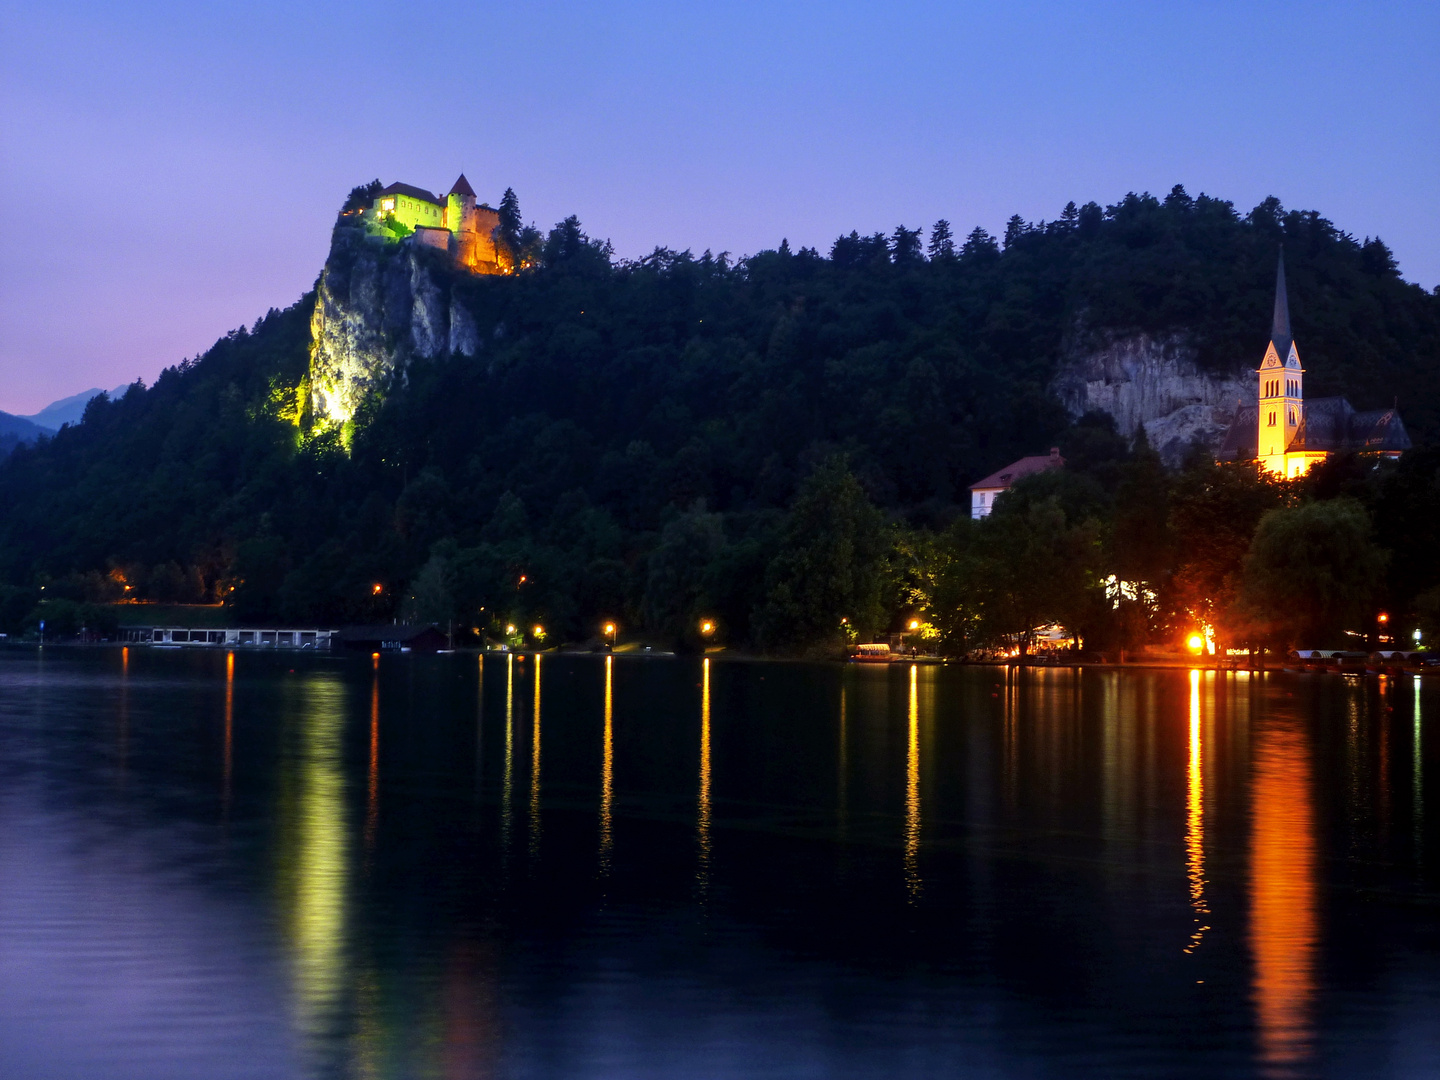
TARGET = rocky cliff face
(1154,382)
(377,307)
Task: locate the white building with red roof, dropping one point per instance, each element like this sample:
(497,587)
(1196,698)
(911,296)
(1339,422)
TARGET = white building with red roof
(984,492)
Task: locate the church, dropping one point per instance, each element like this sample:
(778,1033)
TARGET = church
(1288,434)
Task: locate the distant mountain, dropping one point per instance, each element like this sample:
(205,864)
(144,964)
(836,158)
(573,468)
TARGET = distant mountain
(68,410)
(15,430)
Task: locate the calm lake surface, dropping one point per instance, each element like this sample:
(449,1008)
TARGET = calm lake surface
(310,866)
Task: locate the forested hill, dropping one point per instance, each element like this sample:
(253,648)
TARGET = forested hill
(630,436)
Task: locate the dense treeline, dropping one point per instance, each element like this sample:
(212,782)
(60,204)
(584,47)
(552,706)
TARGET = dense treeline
(777,443)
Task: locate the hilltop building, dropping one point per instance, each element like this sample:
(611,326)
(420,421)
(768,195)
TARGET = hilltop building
(454,223)
(984,492)
(1288,434)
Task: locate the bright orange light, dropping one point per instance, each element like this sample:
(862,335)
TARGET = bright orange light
(1382,617)
(707,627)
(510,629)
(522,579)
(610,628)
(1196,642)
(914,624)
(539,630)
(377,589)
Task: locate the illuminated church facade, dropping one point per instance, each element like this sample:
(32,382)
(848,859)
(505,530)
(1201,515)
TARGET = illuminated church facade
(1288,434)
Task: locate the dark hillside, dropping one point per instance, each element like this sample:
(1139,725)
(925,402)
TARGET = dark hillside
(633,432)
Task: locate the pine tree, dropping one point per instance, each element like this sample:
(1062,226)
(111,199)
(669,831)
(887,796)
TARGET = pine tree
(942,242)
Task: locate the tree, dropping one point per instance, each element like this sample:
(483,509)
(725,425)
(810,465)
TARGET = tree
(905,246)
(980,247)
(942,242)
(1214,511)
(675,594)
(829,566)
(1033,568)
(1312,571)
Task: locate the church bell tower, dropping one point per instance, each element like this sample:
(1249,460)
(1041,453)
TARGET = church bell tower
(1281,390)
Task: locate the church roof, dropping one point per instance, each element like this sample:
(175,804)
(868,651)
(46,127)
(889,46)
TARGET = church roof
(1326,424)
(462,187)
(412,192)
(1280,324)
(1015,470)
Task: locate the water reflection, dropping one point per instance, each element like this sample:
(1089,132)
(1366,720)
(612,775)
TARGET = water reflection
(507,779)
(229,732)
(702,812)
(1284,930)
(912,791)
(1195,817)
(1417,787)
(372,780)
(535,768)
(316,871)
(607,771)
(429,956)
(479,724)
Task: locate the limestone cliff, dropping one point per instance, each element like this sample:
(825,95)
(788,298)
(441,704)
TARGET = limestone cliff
(1155,382)
(377,307)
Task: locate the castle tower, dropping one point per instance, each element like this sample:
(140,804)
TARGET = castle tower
(460,207)
(1282,406)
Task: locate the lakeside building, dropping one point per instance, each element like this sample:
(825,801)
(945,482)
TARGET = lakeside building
(983,493)
(1288,434)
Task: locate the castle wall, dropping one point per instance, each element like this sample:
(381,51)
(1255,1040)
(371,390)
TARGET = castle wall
(433,237)
(477,248)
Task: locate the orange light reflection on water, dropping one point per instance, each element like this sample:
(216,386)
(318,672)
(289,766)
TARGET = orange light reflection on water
(912,791)
(607,771)
(1195,818)
(229,729)
(535,768)
(1284,925)
(702,810)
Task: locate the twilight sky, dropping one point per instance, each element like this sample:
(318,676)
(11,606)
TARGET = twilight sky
(172,170)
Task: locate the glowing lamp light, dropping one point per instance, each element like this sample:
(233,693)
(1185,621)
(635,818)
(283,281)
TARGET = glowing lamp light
(914,624)
(539,631)
(1196,642)
(522,579)
(707,627)
(510,628)
(1382,617)
(376,589)
(610,628)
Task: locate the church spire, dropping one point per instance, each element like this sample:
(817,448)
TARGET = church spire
(1280,327)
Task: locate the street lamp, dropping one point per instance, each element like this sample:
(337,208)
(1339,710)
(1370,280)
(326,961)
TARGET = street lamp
(706,627)
(1196,642)
(914,624)
(609,629)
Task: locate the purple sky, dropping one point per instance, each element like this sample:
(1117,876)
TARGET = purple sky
(172,170)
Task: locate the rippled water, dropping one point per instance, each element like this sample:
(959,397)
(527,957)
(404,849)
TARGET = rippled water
(277,866)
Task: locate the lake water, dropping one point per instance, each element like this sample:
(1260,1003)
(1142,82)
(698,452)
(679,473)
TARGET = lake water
(312,866)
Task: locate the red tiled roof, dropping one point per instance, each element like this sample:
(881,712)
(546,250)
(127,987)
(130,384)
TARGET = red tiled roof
(1026,466)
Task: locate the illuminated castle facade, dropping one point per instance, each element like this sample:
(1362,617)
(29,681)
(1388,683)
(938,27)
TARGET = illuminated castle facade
(454,223)
(1288,434)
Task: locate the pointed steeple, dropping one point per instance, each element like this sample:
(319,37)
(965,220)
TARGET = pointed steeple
(462,187)
(1280,327)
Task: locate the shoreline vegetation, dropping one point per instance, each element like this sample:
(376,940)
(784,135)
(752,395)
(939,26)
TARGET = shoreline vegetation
(777,447)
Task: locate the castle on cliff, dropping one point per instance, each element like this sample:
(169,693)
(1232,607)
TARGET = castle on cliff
(454,223)
(1288,434)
